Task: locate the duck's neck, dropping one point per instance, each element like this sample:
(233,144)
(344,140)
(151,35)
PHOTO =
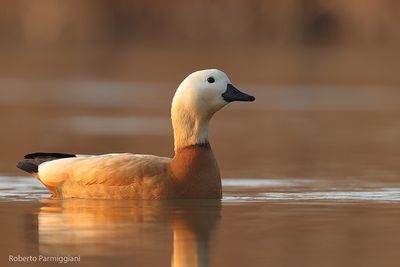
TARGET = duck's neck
(194,168)
(189,128)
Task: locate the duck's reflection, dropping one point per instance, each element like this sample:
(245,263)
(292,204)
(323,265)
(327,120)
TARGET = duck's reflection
(104,227)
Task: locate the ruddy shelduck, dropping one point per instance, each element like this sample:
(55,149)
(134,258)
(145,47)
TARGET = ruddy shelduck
(192,173)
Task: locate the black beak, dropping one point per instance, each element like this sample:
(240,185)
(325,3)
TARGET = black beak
(233,94)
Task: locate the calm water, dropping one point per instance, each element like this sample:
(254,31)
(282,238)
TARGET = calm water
(259,222)
(327,159)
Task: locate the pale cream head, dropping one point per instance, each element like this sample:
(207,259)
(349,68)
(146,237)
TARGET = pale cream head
(201,92)
(197,98)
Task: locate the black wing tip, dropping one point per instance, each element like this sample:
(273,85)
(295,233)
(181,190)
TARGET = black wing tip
(27,166)
(49,155)
(31,162)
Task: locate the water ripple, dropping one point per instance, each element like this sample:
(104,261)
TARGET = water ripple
(384,195)
(240,190)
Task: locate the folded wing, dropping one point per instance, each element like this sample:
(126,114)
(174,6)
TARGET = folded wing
(108,169)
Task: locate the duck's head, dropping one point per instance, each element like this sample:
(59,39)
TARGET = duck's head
(197,98)
(206,91)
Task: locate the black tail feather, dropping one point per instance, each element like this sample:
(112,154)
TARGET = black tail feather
(31,162)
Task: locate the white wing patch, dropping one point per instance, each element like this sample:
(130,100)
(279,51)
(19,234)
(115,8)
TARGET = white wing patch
(108,169)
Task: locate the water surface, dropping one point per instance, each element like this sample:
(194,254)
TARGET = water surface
(331,156)
(259,222)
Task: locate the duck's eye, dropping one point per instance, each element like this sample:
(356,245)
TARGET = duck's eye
(210,79)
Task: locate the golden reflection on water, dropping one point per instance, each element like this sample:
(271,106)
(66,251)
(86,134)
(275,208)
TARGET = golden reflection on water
(109,228)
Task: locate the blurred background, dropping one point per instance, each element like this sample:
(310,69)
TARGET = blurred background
(98,76)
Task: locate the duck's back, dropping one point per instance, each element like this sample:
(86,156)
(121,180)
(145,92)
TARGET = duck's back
(109,176)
